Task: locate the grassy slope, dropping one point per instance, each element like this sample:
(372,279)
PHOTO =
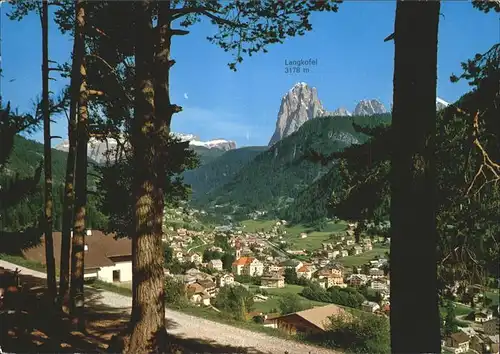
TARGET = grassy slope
(276,294)
(364,257)
(313,240)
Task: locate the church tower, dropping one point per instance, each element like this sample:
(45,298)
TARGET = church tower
(238,249)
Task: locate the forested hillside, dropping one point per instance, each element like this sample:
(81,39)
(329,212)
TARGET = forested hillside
(276,177)
(25,157)
(206,155)
(215,171)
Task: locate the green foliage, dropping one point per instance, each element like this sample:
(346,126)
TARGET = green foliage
(363,333)
(468,207)
(227,261)
(291,276)
(115,183)
(206,156)
(259,24)
(450,321)
(290,303)
(168,254)
(486,6)
(175,292)
(247,279)
(221,241)
(24,164)
(235,301)
(341,296)
(209,255)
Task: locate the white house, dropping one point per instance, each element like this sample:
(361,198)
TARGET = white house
(215,264)
(370,306)
(226,279)
(248,266)
(106,259)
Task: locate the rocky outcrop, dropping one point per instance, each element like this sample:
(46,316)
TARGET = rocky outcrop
(341,112)
(441,104)
(299,105)
(194,140)
(369,107)
(97,150)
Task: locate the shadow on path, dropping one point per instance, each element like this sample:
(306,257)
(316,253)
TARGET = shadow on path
(35,329)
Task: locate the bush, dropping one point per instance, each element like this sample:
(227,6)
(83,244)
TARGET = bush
(175,292)
(290,303)
(341,296)
(235,301)
(366,333)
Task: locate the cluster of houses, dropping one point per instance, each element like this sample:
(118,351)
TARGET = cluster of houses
(482,338)
(110,260)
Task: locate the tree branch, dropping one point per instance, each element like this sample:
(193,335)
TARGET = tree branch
(100,31)
(222,21)
(95,93)
(178,32)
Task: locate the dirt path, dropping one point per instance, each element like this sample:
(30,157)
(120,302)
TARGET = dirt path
(186,326)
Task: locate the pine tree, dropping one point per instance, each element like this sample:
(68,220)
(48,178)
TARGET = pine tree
(450,321)
(47,157)
(69,188)
(82,132)
(413,209)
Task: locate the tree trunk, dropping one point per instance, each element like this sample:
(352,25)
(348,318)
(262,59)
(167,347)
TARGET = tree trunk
(69,193)
(49,242)
(147,324)
(78,241)
(415,326)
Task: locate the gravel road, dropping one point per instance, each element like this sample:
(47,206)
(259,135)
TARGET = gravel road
(187,326)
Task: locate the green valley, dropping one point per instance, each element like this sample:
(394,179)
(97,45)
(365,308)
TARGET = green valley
(277,178)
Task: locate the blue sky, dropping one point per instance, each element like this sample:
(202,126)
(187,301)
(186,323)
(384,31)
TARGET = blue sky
(354,63)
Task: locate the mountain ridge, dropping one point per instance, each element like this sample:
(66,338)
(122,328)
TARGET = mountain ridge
(301,103)
(97,149)
(260,184)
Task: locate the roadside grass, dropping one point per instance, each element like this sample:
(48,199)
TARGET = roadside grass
(275,294)
(198,311)
(361,259)
(102,285)
(23,262)
(220,317)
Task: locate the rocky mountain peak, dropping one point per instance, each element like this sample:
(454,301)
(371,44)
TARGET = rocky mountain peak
(97,149)
(343,112)
(441,104)
(369,107)
(299,105)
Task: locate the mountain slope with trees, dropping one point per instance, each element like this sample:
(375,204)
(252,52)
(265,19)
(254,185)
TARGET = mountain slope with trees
(274,178)
(23,161)
(217,170)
